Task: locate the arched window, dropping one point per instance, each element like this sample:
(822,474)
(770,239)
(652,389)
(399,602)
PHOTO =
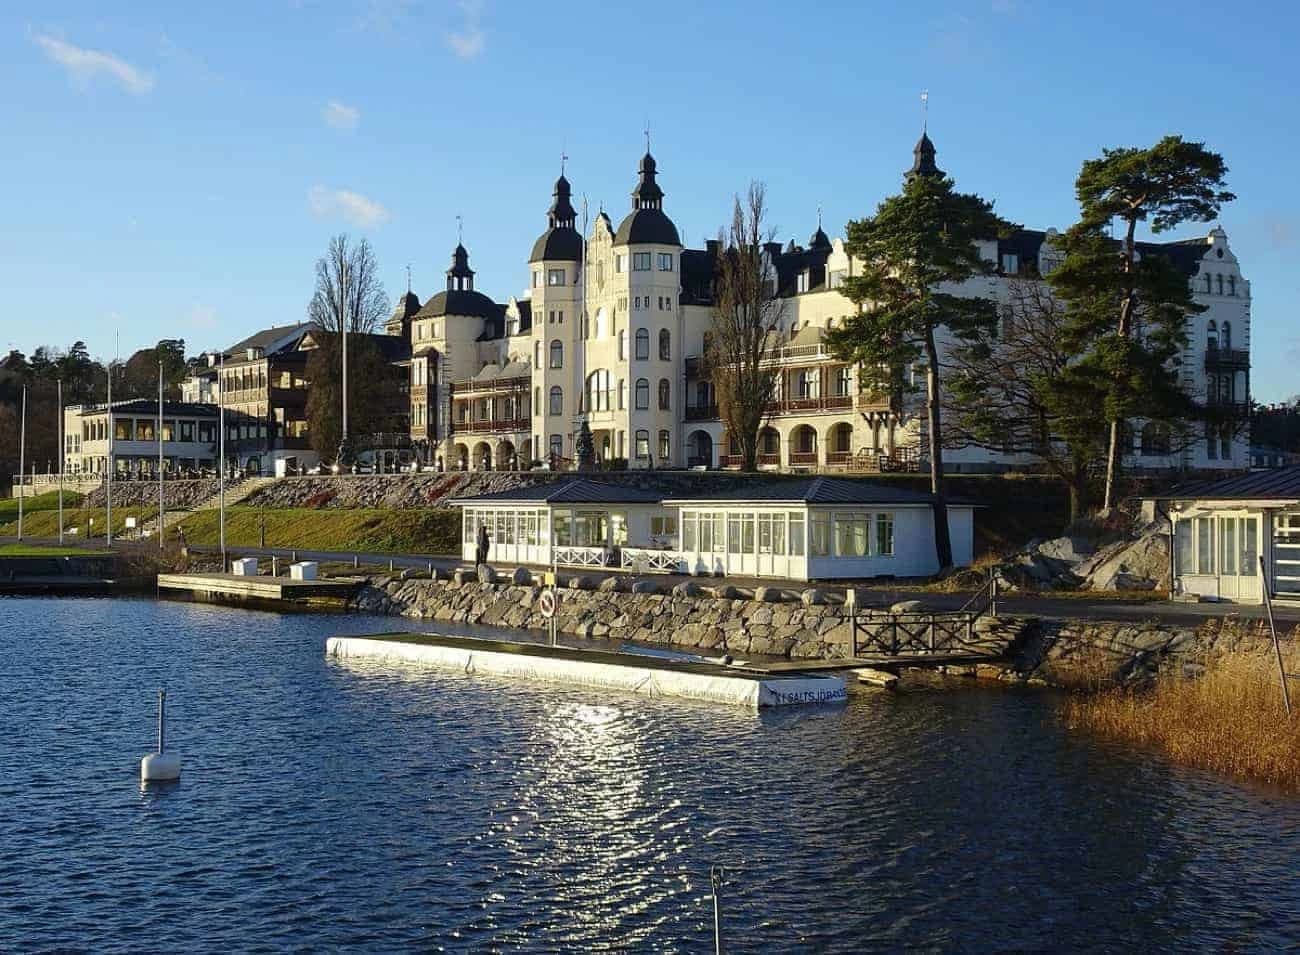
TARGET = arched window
(622,344)
(1225,335)
(1232,285)
(557,400)
(1212,335)
(642,343)
(642,394)
(665,345)
(665,395)
(1219,282)
(1208,280)
(537,354)
(598,396)
(557,354)
(665,447)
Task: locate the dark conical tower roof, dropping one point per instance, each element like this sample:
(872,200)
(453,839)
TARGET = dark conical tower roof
(647,194)
(923,160)
(460,275)
(561,241)
(820,240)
(647,223)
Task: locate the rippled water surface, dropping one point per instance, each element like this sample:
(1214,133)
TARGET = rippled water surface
(327,804)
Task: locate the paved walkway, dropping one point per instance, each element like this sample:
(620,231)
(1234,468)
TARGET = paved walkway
(870,595)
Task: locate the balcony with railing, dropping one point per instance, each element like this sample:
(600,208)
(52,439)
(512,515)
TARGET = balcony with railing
(492,426)
(489,386)
(1219,358)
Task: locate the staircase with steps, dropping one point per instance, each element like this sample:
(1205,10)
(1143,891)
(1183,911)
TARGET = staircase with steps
(234,494)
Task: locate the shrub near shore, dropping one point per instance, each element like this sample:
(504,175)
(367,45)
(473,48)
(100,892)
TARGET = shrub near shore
(1230,719)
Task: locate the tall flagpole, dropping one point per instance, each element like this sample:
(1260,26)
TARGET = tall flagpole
(343,324)
(162,514)
(63,457)
(221,454)
(22,461)
(112,428)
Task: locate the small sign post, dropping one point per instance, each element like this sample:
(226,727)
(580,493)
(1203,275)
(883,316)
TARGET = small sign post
(851,608)
(549,602)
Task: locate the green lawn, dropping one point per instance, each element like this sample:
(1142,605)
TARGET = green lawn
(45,523)
(48,501)
(369,530)
(35,550)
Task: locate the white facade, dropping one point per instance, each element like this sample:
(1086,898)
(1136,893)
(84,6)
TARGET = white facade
(127,439)
(612,330)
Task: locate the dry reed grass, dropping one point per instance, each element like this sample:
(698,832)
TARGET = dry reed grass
(1229,720)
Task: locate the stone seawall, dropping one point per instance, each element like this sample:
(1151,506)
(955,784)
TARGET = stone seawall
(181,495)
(806,624)
(768,620)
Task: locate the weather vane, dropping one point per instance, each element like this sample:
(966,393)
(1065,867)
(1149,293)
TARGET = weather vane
(564,157)
(925,110)
(460,231)
(408,278)
(647,134)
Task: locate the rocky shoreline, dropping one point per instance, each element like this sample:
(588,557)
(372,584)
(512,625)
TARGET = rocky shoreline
(810,624)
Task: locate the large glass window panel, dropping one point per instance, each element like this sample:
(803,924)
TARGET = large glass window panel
(820,535)
(1205,545)
(733,534)
(796,534)
(1184,553)
(765,533)
(747,533)
(778,534)
(690,524)
(1228,545)
(706,534)
(719,518)
(1249,547)
(884,535)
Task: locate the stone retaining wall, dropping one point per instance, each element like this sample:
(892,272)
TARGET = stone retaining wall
(769,620)
(181,495)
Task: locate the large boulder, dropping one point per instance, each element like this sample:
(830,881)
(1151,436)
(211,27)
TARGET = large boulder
(486,574)
(768,594)
(1067,550)
(583,583)
(908,606)
(522,577)
(812,597)
(611,584)
(645,587)
(687,589)
(1134,565)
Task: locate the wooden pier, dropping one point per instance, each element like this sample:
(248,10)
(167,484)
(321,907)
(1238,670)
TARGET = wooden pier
(271,591)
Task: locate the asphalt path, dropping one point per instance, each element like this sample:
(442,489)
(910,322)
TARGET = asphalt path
(870,594)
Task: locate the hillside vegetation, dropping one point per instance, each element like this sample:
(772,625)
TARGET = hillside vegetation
(433,531)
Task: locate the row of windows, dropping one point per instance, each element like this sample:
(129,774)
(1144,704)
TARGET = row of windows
(664,303)
(716,532)
(1237,549)
(1215,284)
(1217,336)
(599,396)
(556,352)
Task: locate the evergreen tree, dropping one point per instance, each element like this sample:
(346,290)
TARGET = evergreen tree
(584,448)
(914,252)
(1126,312)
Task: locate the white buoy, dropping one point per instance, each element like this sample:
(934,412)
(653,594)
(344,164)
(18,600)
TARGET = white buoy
(161,766)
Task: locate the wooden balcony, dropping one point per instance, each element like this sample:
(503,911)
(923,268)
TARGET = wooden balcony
(811,405)
(490,386)
(509,426)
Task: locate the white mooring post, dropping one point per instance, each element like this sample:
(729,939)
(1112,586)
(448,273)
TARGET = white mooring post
(161,766)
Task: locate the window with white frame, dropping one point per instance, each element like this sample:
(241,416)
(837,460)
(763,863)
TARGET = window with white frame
(665,262)
(557,353)
(557,400)
(555,277)
(640,261)
(642,444)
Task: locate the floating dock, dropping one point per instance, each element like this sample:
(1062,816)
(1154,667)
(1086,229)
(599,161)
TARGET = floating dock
(628,672)
(277,591)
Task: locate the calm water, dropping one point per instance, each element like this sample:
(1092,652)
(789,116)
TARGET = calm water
(328,804)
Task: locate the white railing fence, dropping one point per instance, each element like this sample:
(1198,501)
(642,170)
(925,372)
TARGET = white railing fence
(578,556)
(643,561)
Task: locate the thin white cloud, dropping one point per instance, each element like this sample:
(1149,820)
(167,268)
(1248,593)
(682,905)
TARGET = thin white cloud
(202,316)
(85,65)
(341,115)
(344,204)
(468,42)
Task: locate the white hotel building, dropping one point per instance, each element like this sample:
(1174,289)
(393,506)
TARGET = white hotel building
(612,329)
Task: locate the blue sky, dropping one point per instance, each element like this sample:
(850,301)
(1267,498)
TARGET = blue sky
(175,169)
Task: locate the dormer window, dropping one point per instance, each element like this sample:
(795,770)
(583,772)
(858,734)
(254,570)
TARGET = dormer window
(1010,263)
(803,282)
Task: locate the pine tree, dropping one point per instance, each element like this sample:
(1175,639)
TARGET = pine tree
(913,251)
(1126,312)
